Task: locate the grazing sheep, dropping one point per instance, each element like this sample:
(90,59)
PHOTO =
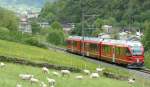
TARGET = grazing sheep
(98,70)
(51,82)
(94,75)
(25,76)
(131,81)
(87,72)
(79,77)
(45,70)
(55,73)
(34,80)
(43,84)
(2,64)
(18,85)
(65,72)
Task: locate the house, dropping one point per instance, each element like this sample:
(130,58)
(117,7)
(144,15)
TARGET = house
(25,26)
(107,28)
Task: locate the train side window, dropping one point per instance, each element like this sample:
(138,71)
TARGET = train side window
(127,52)
(117,51)
(93,47)
(106,49)
(74,44)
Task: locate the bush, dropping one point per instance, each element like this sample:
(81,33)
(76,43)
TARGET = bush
(146,38)
(56,37)
(147,58)
(34,42)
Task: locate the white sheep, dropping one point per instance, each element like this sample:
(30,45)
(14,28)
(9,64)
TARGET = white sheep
(51,82)
(87,72)
(18,85)
(25,76)
(94,75)
(2,64)
(55,73)
(98,70)
(131,81)
(43,84)
(65,72)
(79,77)
(45,70)
(34,80)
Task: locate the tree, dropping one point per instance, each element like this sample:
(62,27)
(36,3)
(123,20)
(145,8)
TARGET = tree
(8,20)
(56,37)
(35,27)
(56,25)
(146,38)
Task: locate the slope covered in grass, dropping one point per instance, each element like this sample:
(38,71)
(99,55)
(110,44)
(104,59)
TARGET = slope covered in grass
(9,78)
(11,49)
(35,54)
(147,59)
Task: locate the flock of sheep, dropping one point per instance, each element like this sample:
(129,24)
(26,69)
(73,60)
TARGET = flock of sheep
(52,82)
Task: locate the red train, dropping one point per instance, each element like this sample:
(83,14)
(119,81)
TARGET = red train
(130,53)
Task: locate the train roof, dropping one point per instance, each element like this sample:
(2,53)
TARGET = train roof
(107,41)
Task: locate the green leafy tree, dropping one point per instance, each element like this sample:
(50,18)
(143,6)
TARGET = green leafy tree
(35,27)
(8,20)
(56,37)
(146,38)
(56,25)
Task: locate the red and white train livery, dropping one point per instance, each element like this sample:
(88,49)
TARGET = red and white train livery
(130,53)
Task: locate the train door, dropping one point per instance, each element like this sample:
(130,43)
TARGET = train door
(120,55)
(107,52)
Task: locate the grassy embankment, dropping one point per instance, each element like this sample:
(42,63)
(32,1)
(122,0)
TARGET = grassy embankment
(35,54)
(147,59)
(9,78)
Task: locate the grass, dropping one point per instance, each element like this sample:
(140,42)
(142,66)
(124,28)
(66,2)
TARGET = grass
(9,78)
(31,53)
(147,59)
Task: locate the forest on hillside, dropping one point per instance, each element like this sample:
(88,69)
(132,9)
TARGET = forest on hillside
(120,13)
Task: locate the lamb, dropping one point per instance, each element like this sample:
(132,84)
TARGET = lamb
(45,70)
(25,76)
(65,72)
(94,75)
(18,85)
(55,73)
(98,70)
(131,81)
(2,64)
(34,80)
(79,77)
(87,72)
(51,82)
(43,84)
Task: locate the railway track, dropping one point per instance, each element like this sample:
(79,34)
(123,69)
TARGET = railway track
(147,71)
(143,70)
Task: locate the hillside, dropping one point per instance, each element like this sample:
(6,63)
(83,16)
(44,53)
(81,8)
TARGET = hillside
(120,13)
(39,55)
(10,75)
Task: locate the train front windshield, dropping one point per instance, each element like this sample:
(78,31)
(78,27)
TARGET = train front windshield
(136,50)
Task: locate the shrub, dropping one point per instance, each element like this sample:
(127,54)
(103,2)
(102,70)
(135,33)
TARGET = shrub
(147,58)
(56,37)
(34,42)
